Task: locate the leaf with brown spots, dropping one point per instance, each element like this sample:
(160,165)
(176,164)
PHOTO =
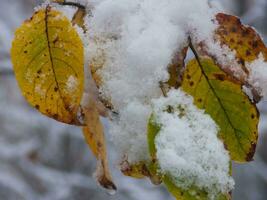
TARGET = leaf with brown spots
(221,96)
(243,39)
(47,56)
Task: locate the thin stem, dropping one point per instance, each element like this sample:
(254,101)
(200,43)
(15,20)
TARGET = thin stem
(163,90)
(65,3)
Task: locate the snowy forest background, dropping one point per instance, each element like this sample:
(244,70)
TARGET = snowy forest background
(42,159)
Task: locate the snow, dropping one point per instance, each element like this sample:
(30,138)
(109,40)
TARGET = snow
(55,175)
(72,84)
(225,57)
(136,41)
(187,145)
(133,143)
(258,74)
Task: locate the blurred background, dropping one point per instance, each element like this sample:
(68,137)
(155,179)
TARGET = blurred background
(42,159)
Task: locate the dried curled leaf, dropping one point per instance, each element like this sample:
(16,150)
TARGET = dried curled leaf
(142,170)
(95,138)
(48,60)
(138,171)
(175,68)
(222,98)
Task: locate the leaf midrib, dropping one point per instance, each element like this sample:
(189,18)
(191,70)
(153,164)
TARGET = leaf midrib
(217,97)
(51,58)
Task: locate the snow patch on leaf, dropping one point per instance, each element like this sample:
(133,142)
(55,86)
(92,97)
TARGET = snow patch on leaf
(72,83)
(258,75)
(188,149)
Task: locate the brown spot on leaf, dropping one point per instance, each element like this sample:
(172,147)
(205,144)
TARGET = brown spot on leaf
(55,116)
(251,152)
(234,29)
(244,32)
(255,44)
(241,61)
(55,40)
(99,145)
(220,77)
(240,42)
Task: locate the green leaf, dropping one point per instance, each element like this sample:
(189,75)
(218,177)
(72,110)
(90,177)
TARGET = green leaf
(192,193)
(152,130)
(221,96)
(48,60)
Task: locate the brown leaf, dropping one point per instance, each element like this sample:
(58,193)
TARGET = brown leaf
(175,69)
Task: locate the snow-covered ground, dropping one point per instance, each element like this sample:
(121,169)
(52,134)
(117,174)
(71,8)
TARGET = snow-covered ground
(42,159)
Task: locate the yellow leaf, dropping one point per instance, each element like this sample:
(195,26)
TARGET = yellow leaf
(222,98)
(48,60)
(94,136)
